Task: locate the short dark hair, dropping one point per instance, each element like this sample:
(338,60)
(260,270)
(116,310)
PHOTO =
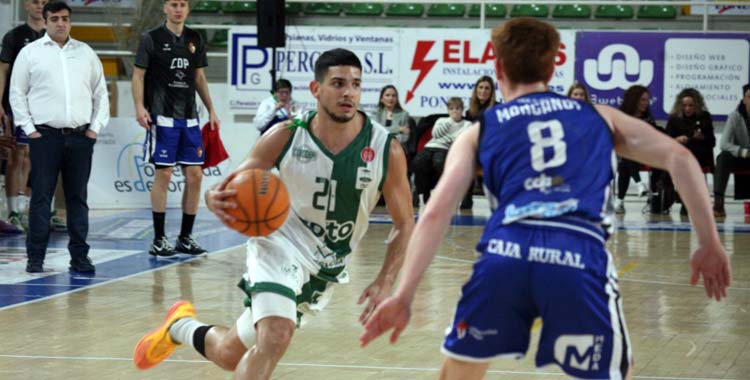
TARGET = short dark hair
(335,57)
(54,7)
(282,83)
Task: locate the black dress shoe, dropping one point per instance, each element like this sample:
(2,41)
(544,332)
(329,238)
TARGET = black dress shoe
(34,268)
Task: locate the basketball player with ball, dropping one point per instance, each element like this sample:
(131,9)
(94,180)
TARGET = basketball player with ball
(334,163)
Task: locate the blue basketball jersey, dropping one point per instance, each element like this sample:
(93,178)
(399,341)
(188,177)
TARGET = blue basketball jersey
(546,157)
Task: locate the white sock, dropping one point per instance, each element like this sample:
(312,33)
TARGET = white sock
(183,329)
(13,204)
(23,202)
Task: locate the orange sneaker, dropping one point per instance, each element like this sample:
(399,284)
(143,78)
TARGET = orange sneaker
(157,345)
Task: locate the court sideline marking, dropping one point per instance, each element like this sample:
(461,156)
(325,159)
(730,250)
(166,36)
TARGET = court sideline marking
(342,366)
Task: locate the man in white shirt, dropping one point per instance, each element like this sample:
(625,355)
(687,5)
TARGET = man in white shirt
(276,108)
(59,97)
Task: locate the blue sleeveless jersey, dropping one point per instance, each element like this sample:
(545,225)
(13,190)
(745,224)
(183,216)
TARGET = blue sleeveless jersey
(547,160)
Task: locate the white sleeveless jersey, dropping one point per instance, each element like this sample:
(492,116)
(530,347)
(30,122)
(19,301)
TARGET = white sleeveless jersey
(331,196)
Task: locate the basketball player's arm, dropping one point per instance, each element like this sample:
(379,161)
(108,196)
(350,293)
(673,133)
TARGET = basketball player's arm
(636,140)
(4,67)
(141,114)
(460,167)
(262,156)
(201,86)
(397,193)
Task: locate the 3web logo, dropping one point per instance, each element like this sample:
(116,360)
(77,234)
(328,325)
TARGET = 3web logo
(618,70)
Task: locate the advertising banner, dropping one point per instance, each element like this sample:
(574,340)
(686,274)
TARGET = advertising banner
(717,65)
(101,3)
(425,66)
(720,9)
(121,178)
(437,66)
(249,65)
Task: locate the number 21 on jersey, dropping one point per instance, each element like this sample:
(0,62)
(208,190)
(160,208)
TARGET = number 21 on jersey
(547,134)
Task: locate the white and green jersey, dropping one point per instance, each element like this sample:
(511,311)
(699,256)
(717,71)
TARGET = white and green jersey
(331,195)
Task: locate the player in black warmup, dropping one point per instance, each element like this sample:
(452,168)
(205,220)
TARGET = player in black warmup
(168,71)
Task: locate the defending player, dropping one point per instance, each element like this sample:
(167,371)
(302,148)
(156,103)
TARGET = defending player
(169,69)
(335,162)
(548,163)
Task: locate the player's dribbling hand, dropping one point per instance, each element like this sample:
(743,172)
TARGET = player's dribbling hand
(712,264)
(393,313)
(217,202)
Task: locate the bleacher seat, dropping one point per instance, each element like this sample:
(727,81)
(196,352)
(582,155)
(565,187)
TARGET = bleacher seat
(490,10)
(571,11)
(657,11)
(529,10)
(323,9)
(405,10)
(293,8)
(207,7)
(614,11)
(240,7)
(200,31)
(220,38)
(446,10)
(366,9)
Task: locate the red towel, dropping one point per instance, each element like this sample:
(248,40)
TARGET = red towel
(212,147)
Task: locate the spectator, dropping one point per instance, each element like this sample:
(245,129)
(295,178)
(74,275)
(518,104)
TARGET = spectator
(579,92)
(690,124)
(62,107)
(482,98)
(735,149)
(276,108)
(636,103)
(429,163)
(391,115)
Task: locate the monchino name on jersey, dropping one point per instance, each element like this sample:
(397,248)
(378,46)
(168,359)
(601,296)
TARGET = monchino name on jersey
(536,107)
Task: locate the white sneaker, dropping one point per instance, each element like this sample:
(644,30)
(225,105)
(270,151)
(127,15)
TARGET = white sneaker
(642,189)
(619,206)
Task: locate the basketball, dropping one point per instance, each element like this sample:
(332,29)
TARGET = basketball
(262,202)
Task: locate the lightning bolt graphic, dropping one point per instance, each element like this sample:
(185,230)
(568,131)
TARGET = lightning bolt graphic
(421,64)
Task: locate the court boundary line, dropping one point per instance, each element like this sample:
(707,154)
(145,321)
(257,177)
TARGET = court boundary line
(342,366)
(111,280)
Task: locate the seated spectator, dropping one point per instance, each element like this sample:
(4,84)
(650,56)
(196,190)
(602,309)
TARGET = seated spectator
(391,115)
(735,149)
(429,163)
(276,108)
(482,98)
(637,103)
(579,92)
(690,124)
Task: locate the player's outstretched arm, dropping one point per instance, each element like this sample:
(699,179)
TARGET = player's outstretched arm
(636,140)
(460,168)
(397,193)
(262,156)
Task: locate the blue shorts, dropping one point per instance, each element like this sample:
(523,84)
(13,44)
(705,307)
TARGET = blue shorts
(21,137)
(175,141)
(565,277)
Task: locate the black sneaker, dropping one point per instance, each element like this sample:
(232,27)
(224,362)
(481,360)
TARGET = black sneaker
(186,244)
(34,267)
(161,247)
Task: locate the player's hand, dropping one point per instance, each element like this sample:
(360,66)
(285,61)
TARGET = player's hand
(217,200)
(143,117)
(375,293)
(394,313)
(213,120)
(681,139)
(712,264)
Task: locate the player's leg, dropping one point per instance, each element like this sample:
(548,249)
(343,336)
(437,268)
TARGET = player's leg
(584,330)
(163,156)
(16,182)
(190,156)
(274,334)
(454,369)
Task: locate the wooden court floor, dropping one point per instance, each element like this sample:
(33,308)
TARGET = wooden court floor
(677,333)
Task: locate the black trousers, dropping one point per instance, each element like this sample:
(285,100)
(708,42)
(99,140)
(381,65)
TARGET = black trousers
(51,154)
(428,167)
(725,164)
(626,169)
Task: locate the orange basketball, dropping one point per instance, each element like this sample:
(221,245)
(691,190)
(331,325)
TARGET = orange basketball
(262,202)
